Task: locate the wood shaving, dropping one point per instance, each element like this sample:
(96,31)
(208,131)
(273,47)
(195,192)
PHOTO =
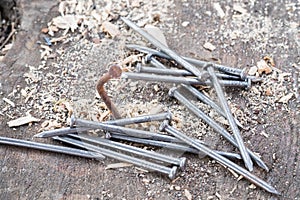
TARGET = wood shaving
(110,28)
(286,98)
(209,46)
(9,102)
(263,67)
(22,121)
(66,22)
(117,165)
(219,10)
(187,194)
(156,33)
(252,71)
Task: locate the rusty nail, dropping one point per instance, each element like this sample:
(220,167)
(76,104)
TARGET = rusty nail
(114,72)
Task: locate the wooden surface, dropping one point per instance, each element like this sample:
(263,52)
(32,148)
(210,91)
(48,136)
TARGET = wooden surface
(31,174)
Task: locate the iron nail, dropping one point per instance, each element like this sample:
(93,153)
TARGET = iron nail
(188,66)
(176,72)
(60,132)
(119,122)
(172,146)
(122,130)
(131,149)
(230,70)
(114,72)
(230,118)
(153,61)
(180,80)
(171,172)
(202,97)
(141,119)
(50,147)
(218,128)
(254,179)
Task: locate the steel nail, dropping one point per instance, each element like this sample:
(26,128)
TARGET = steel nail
(230,70)
(114,72)
(150,59)
(141,119)
(202,97)
(172,146)
(163,48)
(60,132)
(254,179)
(176,72)
(122,130)
(171,172)
(230,118)
(180,80)
(131,149)
(119,122)
(50,147)
(218,128)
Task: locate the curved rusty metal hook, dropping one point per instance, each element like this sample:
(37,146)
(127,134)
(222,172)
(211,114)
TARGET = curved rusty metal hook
(114,71)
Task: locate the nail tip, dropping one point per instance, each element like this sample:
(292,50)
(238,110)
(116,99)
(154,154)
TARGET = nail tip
(39,135)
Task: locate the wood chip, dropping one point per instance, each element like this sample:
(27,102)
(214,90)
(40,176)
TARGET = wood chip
(239,8)
(185,23)
(66,22)
(45,30)
(269,60)
(252,71)
(9,102)
(53,40)
(22,121)
(209,46)
(110,28)
(219,10)
(286,98)
(156,33)
(118,165)
(188,195)
(263,67)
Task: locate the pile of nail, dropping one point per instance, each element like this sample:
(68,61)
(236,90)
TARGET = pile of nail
(116,133)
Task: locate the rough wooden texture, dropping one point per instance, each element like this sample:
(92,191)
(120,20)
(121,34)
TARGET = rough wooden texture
(31,174)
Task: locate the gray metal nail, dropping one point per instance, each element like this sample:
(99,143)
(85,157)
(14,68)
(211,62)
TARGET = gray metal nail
(150,59)
(119,122)
(218,128)
(230,118)
(176,72)
(180,80)
(202,97)
(163,48)
(131,149)
(122,130)
(171,172)
(141,119)
(234,71)
(172,146)
(254,179)
(50,147)
(60,132)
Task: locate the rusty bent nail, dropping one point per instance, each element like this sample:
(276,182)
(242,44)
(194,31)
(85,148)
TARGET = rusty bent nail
(114,72)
